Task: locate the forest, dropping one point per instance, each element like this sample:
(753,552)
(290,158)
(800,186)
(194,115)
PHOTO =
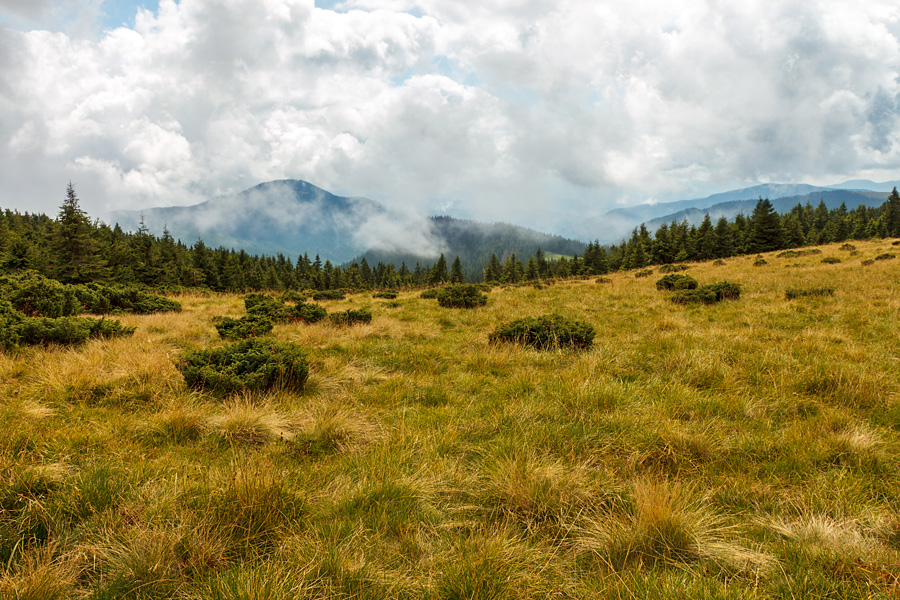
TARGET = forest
(75,249)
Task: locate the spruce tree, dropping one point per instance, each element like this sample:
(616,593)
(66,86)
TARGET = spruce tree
(74,254)
(456,272)
(766,232)
(439,271)
(892,214)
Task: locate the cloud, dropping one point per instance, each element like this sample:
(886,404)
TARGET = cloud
(537,112)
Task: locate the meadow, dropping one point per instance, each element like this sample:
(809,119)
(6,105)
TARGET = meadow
(744,449)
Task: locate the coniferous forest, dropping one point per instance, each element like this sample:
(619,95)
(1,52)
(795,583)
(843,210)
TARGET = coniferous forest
(72,248)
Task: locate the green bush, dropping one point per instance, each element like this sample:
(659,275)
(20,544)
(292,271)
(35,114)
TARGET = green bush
(261,305)
(794,293)
(350,317)
(677,282)
(69,330)
(328,295)
(831,260)
(431,293)
(34,295)
(546,332)
(885,256)
(760,262)
(293,296)
(673,268)
(849,247)
(386,294)
(708,294)
(104,299)
(247,326)
(464,295)
(868,261)
(257,365)
(309,313)
(796,253)
(10,325)
(718,262)
(644,273)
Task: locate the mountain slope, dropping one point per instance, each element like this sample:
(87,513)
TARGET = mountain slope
(474,242)
(729,210)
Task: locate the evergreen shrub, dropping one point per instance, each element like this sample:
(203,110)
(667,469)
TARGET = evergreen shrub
(796,253)
(105,299)
(431,293)
(885,256)
(604,280)
(848,247)
(545,332)
(760,262)
(34,295)
(386,294)
(350,317)
(10,325)
(293,296)
(69,330)
(868,261)
(262,305)
(895,243)
(247,326)
(794,293)
(644,273)
(831,260)
(673,268)
(718,262)
(328,295)
(254,365)
(708,294)
(677,282)
(309,313)
(465,295)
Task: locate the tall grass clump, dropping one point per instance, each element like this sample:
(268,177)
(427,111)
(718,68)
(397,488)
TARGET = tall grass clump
(252,365)
(350,317)
(546,332)
(466,295)
(666,524)
(794,293)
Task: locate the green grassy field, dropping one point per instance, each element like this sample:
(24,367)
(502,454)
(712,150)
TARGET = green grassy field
(747,449)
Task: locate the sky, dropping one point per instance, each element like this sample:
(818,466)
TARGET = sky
(537,112)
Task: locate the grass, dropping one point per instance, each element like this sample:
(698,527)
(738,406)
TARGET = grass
(744,449)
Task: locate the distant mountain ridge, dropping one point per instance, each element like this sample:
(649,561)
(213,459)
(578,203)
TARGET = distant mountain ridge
(729,210)
(617,223)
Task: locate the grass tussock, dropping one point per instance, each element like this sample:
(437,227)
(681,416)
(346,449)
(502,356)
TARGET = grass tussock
(667,523)
(243,421)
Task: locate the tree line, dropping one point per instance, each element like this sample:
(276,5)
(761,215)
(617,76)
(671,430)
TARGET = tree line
(74,249)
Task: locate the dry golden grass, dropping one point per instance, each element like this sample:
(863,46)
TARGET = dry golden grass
(747,449)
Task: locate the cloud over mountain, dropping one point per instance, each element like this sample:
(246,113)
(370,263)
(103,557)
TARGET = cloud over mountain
(534,111)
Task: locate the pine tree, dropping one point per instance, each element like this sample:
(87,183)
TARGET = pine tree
(892,214)
(456,272)
(439,271)
(75,256)
(766,232)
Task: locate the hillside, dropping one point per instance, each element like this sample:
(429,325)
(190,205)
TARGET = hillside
(475,242)
(746,449)
(832,199)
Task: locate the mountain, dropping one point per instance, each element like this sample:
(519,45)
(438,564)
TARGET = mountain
(865,184)
(291,217)
(729,210)
(474,242)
